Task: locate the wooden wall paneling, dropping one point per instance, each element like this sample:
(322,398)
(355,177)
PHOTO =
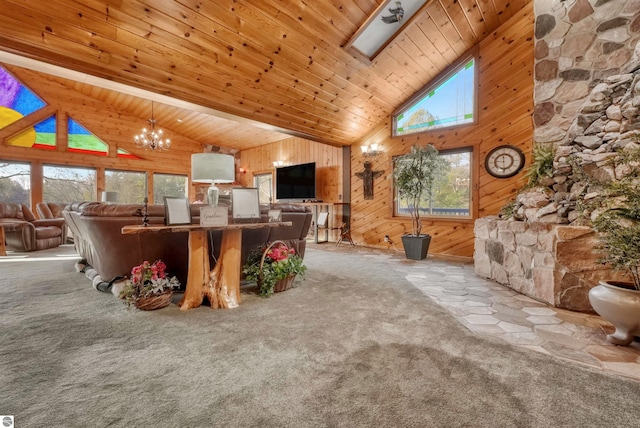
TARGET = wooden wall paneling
(453,34)
(474,16)
(296,151)
(504,117)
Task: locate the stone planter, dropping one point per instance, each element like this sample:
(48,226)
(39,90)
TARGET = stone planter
(618,303)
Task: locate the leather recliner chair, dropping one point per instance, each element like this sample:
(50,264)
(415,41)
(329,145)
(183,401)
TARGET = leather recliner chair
(23,232)
(53,210)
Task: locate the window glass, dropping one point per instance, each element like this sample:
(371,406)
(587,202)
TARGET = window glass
(15,182)
(450,102)
(264,183)
(130,187)
(68,184)
(168,185)
(452,191)
(81,140)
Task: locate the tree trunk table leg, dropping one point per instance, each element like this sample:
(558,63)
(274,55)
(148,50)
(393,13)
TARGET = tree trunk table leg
(223,290)
(3,248)
(198,273)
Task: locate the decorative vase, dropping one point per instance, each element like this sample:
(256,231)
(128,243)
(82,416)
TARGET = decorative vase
(618,303)
(284,284)
(156,301)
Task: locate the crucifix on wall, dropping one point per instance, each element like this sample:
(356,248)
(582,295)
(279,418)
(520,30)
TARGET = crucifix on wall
(367,177)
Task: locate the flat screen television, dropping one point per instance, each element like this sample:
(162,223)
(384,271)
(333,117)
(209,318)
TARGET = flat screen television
(296,182)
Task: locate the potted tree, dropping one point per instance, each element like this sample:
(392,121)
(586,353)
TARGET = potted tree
(617,222)
(415,174)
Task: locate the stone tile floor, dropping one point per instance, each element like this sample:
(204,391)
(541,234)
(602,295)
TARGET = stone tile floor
(488,308)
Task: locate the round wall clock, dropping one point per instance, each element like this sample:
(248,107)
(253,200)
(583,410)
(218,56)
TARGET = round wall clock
(504,161)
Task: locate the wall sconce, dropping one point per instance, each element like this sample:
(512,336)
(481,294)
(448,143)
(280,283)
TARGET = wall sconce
(242,170)
(370,150)
(278,163)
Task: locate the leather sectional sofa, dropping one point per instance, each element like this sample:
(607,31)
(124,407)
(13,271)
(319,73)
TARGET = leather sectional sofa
(96,228)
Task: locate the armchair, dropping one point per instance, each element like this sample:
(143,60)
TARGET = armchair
(23,232)
(53,210)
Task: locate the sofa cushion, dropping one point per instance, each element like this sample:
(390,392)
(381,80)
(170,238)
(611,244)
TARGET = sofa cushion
(11,210)
(45,232)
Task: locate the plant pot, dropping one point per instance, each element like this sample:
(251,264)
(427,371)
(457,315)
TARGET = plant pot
(416,247)
(151,303)
(284,284)
(618,303)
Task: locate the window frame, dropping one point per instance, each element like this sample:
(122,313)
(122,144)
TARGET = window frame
(435,84)
(471,209)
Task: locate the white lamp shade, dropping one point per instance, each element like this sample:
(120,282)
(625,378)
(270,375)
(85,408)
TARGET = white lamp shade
(212,168)
(109,197)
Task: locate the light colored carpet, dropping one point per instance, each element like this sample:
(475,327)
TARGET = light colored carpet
(354,345)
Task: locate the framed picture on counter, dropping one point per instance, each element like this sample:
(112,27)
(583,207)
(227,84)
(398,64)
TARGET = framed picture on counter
(176,211)
(245,205)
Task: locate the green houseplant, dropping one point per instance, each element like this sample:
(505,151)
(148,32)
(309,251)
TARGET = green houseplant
(415,174)
(273,267)
(617,221)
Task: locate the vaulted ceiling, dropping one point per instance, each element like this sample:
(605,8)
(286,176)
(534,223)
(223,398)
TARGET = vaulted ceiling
(233,64)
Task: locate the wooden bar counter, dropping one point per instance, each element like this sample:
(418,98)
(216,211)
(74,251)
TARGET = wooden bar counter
(222,284)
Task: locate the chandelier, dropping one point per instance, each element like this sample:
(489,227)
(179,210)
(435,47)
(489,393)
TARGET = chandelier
(152,139)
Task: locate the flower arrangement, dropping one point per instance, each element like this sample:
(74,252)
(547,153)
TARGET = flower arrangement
(271,264)
(148,280)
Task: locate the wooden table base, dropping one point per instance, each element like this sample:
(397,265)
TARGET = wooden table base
(3,248)
(220,285)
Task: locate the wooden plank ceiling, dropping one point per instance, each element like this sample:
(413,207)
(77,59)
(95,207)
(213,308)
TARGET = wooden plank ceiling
(277,62)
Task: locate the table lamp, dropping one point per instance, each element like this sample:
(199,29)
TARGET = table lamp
(109,197)
(212,168)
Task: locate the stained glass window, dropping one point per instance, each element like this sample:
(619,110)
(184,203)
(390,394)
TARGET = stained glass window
(17,101)
(450,102)
(83,141)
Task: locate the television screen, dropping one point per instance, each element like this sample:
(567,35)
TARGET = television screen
(296,182)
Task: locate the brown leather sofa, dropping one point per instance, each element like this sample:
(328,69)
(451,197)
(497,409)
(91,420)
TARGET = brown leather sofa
(23,232)
(98,239)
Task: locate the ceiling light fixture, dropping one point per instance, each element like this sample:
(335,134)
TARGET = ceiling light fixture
(152,139)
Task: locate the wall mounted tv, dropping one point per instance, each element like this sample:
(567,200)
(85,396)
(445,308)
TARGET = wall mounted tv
(296,182)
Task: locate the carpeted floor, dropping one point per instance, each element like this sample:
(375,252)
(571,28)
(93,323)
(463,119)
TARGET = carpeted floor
(353,345)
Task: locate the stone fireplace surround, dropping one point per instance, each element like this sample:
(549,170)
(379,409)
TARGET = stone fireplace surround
(587,105)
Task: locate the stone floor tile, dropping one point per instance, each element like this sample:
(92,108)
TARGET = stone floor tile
(539,311)
(514,328)
(486,329)
(631,370)
(480,319)
(562,340)
(531,339)
(560,329)
(502,299)
(613,353)
(480,293)
(542,320)
(469,310)
(513,319)
(450,298)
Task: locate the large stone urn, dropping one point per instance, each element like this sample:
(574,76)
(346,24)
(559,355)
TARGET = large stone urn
(618,303)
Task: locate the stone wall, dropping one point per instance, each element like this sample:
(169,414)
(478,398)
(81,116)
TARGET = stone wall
(586,106)
(578,44)
(555,264)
